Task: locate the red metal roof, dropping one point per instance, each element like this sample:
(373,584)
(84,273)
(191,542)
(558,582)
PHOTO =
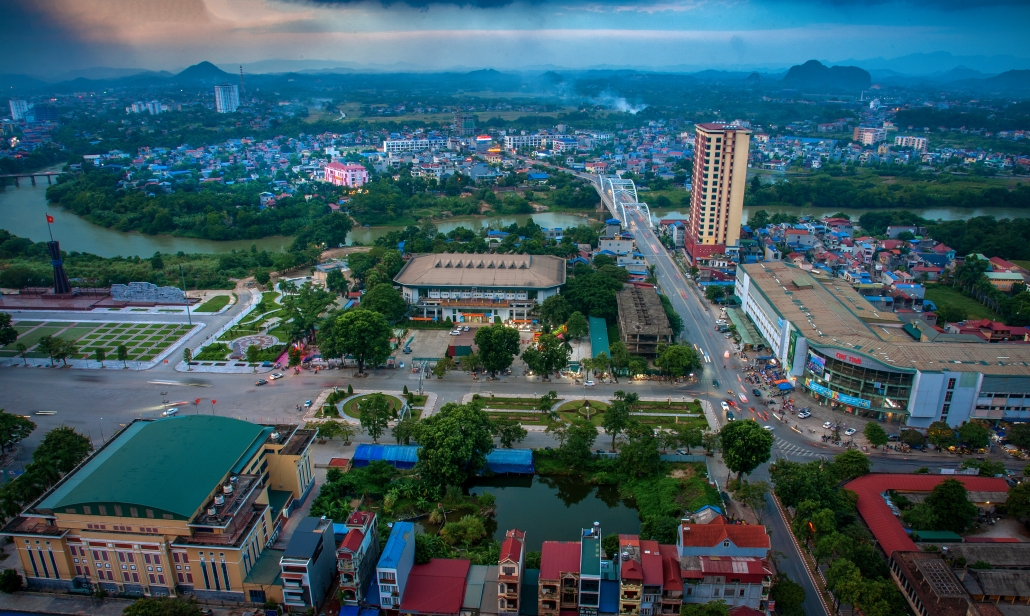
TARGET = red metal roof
(672,578)
(652,563)
(743,610)
(557,557)
(713,533)
(748,569)
(339,462)
(359,518)
(352,541)
(437,587)
(511,549)
(878,516)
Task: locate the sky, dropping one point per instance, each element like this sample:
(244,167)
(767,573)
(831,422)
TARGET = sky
(48,37)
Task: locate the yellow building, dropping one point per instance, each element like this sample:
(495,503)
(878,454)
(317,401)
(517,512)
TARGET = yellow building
(183,504)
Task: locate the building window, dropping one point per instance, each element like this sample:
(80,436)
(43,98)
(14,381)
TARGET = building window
(951,383)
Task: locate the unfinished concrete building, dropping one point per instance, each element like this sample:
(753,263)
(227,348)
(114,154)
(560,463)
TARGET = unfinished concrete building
(643,325)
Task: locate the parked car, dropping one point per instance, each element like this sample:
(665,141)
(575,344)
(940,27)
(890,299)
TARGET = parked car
(893,437)
(407,350)
(277,375)
(804,415)
(827,425)
(682,452)
(170,412)
(260,382)
(720,321)
(850,431)
(466,328)
(456,332)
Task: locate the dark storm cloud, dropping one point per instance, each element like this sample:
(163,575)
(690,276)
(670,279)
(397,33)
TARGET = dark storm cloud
(31,42)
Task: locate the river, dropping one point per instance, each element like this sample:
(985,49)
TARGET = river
(23,212)
(953,213)
(556,508)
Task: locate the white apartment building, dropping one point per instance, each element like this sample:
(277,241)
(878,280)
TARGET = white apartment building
(396,146)
(916,143)
(227,98)
(18,109)
(517,142)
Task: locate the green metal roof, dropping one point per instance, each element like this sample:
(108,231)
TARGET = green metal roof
(598,336)
(167,465)
(590,555)
(266,569)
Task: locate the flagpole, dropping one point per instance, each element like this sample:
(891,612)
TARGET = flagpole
(51,231)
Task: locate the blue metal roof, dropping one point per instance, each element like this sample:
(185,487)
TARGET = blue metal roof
(400,535)
(517,461)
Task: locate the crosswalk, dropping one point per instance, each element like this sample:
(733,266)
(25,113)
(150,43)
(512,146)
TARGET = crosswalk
(790,450)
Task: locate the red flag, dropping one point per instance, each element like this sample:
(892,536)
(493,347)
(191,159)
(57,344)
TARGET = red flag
(214,401)
(49,218)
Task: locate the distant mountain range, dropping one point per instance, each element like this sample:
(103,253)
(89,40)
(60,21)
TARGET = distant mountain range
(816,75)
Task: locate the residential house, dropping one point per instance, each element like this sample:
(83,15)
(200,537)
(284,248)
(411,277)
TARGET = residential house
(510,568)
(1004,281)
(736,580)
(558,584)
(395,565)
(436,588)
(719,538)
(356,556)
(641,579)
(308,563)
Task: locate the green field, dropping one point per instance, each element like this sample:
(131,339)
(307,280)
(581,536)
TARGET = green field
(214,304)
(951,297)
(144,341)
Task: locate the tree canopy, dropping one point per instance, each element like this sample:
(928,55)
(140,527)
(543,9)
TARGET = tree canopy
(455,442)
(745,446)
(498,346)
(363,334)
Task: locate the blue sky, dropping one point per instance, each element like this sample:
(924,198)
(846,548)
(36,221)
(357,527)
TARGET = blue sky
(59,35)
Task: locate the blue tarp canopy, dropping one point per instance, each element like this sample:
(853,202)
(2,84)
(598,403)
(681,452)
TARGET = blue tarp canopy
(517,461)
(399,456)
(785,386)
(349,610)
(609,602)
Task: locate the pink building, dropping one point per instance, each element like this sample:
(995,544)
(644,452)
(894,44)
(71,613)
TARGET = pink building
(348,174)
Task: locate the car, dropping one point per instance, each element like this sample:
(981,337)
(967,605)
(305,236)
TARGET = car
(850,431)
(743,398)
(456,332)
(277,375)
(682,452)
(166,412)
(307,404)
(727,335)
(769,428)
(893,437)
(466,328)
(720,321)
(757,392)
(827,425)
(804,415)
(715,383)
(407,350)
(260,382)
(589,383)
(730,417)
(725,407)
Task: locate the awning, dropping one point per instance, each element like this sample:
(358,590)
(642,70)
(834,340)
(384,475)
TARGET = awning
(785,386)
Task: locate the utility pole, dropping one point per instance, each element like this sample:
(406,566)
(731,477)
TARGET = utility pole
(183,275)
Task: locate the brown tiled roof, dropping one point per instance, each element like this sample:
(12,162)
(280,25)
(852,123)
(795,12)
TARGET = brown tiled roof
(483,270)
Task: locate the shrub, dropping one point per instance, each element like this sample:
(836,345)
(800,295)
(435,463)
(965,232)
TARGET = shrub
(10,581)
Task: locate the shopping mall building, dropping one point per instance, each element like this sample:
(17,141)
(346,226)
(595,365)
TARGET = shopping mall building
(843,351)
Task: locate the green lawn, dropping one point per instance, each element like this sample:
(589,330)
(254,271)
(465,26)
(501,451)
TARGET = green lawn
(949,296)
(214,304)
(143,341)
(1022,264)
(351,406)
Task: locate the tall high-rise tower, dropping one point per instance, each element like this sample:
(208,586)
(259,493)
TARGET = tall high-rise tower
(243,88)
(719,181)
(227,98)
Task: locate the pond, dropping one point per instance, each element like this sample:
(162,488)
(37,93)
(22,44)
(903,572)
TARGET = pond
(23,210)
(556,508)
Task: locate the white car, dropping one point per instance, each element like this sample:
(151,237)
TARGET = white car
(769,428)
(466,328)
(456,332)
(804,415)
(277,375)
(850,431)
(725,407)
(170,412)
(827,425)
(720,321)
(588,383)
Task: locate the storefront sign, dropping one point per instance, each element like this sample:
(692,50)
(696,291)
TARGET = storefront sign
(839,397)
(851,359)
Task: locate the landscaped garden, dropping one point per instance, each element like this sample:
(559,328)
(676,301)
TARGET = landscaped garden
(214,304)
(142,341)
(351,407)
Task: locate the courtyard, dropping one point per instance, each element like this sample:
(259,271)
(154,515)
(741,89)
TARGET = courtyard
(143,341)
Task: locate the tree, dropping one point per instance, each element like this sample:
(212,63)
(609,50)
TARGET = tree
(363,334)
(615,420)
(745,445)
(330,429)
(714,292)
(303,309)
(659,528)
(751,494)
(374,414)
(455,442)
(555,310)
(10,581)
(549,355)
(577,449)
(940,434)
(13,429)
(498,346)
(974,435)
(875,434)
(710,441)
(788,595)
(987,468)
(1018,503)
(639,456)
(8,334)
(63,448)
(22,349)
(678,360)
(442,365)
(913,438)
(949,500)
(610,545)
(162,606)
(510,432)
(49,345)
(712,608)
(385,300)
(619,354)
(688,436)
(65,349)
(404,430)
(577,326)
(1019,435)
(547,401)
(334,281)
(123,354)
(850,464)
(558,429)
